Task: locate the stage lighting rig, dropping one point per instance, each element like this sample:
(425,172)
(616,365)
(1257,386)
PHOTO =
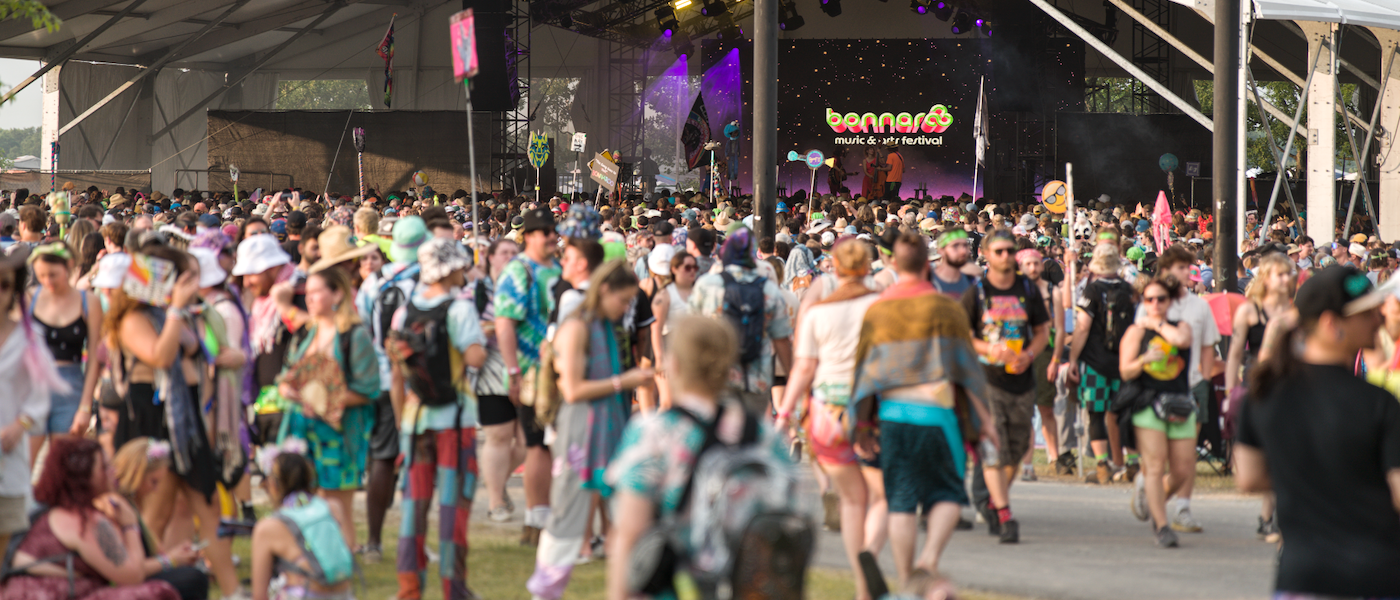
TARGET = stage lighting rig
(962,23)
(919,6)
(943,9)
(831,7)
(788,19)
(731,36)
(682,45)
(666,20)
(566,21)
(985,26)
(714,8)
(679,4)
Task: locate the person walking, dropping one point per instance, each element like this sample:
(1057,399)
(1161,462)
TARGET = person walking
(25,406)
(1030,262)
(1102,314)
(825,357)
(1327,444)
(590,421)
(1153,360)
(1012,328)
(436,336)
(915,353)
(70,322)
(669,306)
(503,441)
(524,302)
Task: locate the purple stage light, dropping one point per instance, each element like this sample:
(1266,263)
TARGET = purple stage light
(922,9)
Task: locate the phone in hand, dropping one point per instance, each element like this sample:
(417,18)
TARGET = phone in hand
(200,545)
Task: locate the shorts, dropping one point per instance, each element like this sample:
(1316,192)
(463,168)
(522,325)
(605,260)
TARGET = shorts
(1044,389)
(384,438)
(266,426)
(826,434)
(1202,392)
(494,410)
(918,467)
(1147,419)
(13,517)
(1096,391)
(779,380)
(1012,414)
(63,407)
(534,434)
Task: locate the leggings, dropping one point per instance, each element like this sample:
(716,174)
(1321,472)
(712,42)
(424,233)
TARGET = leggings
(1098,432)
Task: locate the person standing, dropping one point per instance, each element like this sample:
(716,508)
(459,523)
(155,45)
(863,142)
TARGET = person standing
(1029,260)
(1327,444)
(524,302)
(927,400)
(870,167)
(1102,315)
(954,252)
(503,442)
(70,322)
(1012,327)
(25,406)
(894,171)
(437,416)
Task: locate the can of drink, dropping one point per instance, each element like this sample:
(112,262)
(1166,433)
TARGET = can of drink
(1014,345)
(991,457)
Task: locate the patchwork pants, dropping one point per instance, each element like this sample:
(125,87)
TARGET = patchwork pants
(446,458)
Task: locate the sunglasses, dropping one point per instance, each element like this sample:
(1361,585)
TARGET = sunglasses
(1154,299)
(687,267)
(1001,251)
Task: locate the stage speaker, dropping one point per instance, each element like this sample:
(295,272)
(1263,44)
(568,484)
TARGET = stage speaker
(494,88)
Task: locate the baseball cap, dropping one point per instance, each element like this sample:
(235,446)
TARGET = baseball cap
(259,253)
(662,228)
(1340,289)
(296,220)
(536,220)
(209,220)
(409,234)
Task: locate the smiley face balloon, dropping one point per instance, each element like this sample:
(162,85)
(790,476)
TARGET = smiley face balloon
(1055,197)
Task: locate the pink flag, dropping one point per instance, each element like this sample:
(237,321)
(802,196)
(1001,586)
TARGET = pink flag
(1162,223)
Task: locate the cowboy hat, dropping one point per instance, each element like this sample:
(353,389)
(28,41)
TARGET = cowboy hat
(337,248)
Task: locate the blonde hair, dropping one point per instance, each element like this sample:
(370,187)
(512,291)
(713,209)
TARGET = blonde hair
(133,464)
(1268,265)
(852,258)
(613,275)
(1106,262)
(345,314)
(367,220)
(711,347)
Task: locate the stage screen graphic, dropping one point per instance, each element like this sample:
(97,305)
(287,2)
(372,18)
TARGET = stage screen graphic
(853,95)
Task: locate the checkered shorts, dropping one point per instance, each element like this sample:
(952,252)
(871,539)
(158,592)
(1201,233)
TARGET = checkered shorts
(1095,390)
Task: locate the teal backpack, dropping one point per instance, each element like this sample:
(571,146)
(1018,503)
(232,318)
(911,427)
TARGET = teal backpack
(317,533)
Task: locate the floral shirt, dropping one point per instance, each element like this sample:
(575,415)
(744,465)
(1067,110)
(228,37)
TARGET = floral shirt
(528,305)
(707,299)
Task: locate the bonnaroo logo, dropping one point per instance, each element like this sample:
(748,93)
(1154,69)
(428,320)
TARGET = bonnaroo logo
(936,120)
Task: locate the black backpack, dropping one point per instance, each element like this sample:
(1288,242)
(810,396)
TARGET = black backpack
(1119,311)
(743,306)
(429,362)
(388,301)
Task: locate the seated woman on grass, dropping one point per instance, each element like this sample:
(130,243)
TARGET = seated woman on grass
(300,550)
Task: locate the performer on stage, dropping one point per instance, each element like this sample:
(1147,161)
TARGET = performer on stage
(836,176)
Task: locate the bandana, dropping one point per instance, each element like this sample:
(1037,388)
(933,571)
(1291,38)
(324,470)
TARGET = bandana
(54,249)
(738,249)
(951,236)
(1028,254)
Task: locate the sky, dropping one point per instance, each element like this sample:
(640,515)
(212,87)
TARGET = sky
(26,109)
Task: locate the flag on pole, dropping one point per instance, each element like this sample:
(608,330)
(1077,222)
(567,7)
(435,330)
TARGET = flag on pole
(1162,223)
(695,133)
(463,34)
(386,51)
(980,126)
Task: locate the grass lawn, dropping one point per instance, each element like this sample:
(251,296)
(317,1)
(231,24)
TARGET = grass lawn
(498,566)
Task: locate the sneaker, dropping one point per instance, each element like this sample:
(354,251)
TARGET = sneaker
(500,514)
(1101,475)
(989,515)
(371,554)
(1120,472)
(1139,501)
(529,536)
(1181,519)
(1166,538)
(1131,472)
(963,524)
(1028,473)
(599,547)
(1064,465)
(1268,531)
(1010,532)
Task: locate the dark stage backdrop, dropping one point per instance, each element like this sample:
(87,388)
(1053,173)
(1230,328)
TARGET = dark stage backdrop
(1117,154)
(823,79)
(302,144)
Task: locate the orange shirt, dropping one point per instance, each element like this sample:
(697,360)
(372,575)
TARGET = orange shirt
(896,172)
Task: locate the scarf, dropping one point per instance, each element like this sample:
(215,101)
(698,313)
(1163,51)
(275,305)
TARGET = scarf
(799,264)
(182,415)
(266,317)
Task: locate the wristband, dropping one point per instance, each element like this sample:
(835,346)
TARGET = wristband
(26,422)
(165,563)
(617,383)
(785,414)
(513,371)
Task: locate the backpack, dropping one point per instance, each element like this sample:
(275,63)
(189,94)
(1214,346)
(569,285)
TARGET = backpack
(7,570)
(428,366)
(388,301)
(1119,311)
(743,306)
(744,537)
(319,537)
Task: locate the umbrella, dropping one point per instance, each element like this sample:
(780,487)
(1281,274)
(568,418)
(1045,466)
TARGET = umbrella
(1222,307)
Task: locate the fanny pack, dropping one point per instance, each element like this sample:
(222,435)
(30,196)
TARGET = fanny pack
(1174,407)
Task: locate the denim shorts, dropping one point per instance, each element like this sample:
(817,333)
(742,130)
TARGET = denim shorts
(63,407)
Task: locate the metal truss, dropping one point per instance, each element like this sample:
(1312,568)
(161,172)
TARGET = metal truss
(509,150)
(1152,54)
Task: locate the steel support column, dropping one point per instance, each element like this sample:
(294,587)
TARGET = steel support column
(765,116)
(1228,138)
(1322,133)
(1388,169)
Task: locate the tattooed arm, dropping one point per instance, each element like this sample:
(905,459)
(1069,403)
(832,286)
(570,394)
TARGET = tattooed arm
(111,548)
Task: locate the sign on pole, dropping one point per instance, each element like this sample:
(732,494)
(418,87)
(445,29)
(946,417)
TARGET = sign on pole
(233,173)
(580,140)
(604,171)
(539,149)
(1193,169)
(463,33)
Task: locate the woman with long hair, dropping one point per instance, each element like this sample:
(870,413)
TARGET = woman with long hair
(227,326)
(70,322)
(503,441)
(92,249)
(95,529)
(669,306)
(870,166)
(588,427)
(140,466)
(1156,354)
(334,350)
(279,560)
(1270,295)
(159,348)
(824,365)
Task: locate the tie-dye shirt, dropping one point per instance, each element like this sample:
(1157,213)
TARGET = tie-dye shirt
(522,295)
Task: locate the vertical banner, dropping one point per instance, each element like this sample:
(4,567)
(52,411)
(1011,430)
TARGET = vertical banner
(695,133)
(386,52)
(463,35)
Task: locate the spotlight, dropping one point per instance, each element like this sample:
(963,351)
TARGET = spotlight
(666,19)
(682,4)
(731,36)
(714,8)
(986,28)
(788,19)
(962,23)
(918,6)
(831,7)
(566,21)
(943,9)
(682,45)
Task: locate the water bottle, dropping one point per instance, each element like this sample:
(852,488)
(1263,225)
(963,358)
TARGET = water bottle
(991,457)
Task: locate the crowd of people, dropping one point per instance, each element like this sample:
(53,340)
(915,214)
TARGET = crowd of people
(632,356)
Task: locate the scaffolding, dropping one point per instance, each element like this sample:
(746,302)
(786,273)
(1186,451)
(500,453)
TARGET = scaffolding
(510,160)
(1152,54)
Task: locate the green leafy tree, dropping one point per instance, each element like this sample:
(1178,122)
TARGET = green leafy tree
(323,94)
(1284,95)
(15,143)
(34,10)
